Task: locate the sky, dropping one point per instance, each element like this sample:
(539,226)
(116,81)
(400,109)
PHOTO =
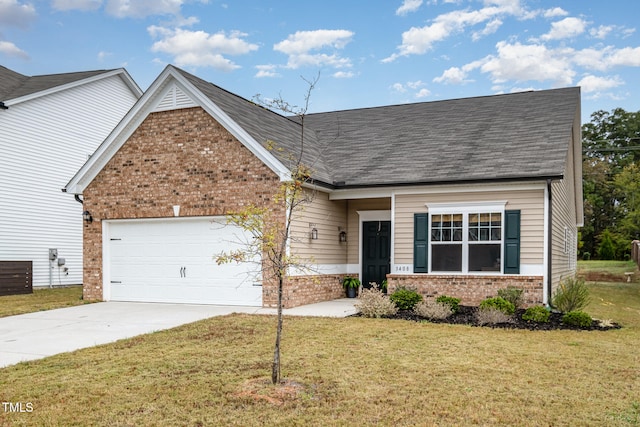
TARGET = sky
(363,53)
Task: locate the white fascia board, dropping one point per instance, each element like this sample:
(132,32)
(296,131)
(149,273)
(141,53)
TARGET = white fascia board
(367,193)
(139,113)
(123,74)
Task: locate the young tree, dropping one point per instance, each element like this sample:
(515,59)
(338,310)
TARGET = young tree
(271,234)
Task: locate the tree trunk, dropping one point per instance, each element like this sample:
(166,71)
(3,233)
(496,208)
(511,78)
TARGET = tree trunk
(275,369)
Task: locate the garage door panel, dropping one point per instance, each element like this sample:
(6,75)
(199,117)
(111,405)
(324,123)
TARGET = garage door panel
(174,261)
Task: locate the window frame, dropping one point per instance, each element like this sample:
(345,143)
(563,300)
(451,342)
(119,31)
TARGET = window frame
(466,209)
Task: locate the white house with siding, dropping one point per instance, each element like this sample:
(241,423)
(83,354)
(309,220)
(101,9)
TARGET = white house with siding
(49,126)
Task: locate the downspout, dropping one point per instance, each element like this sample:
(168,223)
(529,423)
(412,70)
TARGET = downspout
(78,199)
(549,245)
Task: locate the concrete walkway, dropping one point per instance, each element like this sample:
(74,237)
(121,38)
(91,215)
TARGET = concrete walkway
(45,333)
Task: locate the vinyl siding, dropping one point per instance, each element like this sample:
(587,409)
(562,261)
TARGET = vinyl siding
(564,229)
(530,202)
(328,217)
(43,142)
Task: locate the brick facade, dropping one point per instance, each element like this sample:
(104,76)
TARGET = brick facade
(179,157)
(470,289)
(301,290)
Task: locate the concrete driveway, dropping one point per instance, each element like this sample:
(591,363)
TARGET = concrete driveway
(45,333)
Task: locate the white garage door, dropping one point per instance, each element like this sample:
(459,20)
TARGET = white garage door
(173,260)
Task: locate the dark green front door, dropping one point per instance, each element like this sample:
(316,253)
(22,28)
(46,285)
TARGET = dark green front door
(376,251)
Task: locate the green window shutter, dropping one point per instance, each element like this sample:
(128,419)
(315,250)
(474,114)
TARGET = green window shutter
(512,242)
(420,242)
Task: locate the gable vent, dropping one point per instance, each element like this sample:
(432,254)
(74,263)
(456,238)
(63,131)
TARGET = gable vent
(175,99)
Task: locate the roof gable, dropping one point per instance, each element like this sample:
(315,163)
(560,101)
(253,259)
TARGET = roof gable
(16,88)
(171,90)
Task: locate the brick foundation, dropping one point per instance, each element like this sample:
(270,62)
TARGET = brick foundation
(301,290)
(470,289)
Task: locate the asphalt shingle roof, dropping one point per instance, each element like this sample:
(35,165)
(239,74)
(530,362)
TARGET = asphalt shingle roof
(516,136)
(14,85)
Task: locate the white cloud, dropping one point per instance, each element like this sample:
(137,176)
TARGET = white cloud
(566,28)
(601,32)
(453,75)
(15,14)
(419,40)
(423,93)
(416,86)
(299,46)
(198,48)
(626,57)
(556,11)
(83,5)
(490,28)
(534,62)
(267,71)
(591,84)
(408,6)
(343,74)
(11,49)
(398,87)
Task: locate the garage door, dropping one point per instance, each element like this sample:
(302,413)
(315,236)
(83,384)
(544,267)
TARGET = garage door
(172,260)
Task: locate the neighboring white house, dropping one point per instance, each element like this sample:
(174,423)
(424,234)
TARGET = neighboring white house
(49,126)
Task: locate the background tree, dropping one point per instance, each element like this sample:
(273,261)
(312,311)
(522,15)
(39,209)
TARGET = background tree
(270,232)
(611,147)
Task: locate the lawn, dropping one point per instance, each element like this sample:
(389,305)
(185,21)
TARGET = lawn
(344,372)
(41,299)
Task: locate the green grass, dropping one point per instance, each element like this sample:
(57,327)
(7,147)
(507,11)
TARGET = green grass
(344,372)
(612,267)
(41,299)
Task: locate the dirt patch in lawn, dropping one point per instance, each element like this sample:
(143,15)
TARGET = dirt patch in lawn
(466,315)
(261,389)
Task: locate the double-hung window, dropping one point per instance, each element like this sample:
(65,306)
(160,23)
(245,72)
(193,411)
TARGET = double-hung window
(466,238)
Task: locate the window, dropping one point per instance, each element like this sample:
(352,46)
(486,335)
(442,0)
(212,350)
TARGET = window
(465,242)
(467,238)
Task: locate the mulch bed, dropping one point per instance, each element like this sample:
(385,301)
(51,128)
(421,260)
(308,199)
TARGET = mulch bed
(466,315)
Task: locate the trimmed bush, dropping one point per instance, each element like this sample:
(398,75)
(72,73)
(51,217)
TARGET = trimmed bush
(577,318)
(405,299)
(537,314)
(374,303)
(572,295)
(452,302)
(432,309)
(498,303)
(492,316)
(513,295)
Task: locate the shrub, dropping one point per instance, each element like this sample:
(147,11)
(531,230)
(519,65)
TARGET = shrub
(374,303)
(492,316)
(572,295)
(498,303)
(432,309)
(577,318)
(538,314)
(512,294)
(405,298)
(452,302)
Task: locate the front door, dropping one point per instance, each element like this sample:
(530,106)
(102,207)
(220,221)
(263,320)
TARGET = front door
(376,251)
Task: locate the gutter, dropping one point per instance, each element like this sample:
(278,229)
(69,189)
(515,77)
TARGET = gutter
(342,185)
(2,106)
